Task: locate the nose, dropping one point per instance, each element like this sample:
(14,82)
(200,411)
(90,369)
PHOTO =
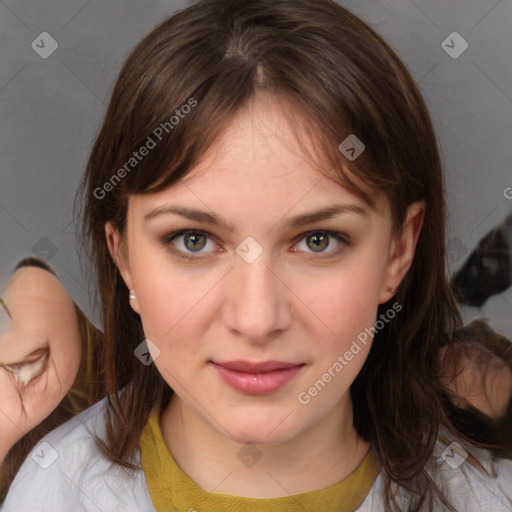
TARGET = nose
(258,304)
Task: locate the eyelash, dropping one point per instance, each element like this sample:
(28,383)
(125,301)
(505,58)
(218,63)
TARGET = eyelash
(167,242)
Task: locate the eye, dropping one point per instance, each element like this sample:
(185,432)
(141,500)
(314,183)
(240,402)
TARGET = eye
(188,244)
(188,240)
(319,241)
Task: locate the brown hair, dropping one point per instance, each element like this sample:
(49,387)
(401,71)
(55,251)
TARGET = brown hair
(338,77)
(87,389)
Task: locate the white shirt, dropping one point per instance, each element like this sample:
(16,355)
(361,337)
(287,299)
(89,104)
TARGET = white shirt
(65,472)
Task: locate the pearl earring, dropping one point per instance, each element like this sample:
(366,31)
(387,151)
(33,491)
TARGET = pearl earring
(132,295)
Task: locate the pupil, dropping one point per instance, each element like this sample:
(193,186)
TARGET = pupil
(196,241)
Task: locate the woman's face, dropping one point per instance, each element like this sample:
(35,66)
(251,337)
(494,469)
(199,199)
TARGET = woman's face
(40,348)
(267,283)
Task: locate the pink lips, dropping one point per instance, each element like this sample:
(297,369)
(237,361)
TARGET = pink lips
(257,378)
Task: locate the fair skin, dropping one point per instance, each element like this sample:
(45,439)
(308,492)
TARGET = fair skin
(291,304)
(40,351)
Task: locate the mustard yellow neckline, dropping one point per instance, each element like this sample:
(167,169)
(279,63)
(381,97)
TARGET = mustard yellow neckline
(172,490)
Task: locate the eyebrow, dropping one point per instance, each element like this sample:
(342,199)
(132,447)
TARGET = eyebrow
(325,213)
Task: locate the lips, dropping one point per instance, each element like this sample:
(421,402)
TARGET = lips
(257,378)
(262,367)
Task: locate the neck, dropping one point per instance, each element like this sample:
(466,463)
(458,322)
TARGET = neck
(317,458)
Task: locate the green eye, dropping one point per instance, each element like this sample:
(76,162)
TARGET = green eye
(319,241)
(188,245)
(192,240)
(197,241)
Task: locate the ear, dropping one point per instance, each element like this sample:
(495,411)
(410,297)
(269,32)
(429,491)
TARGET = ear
(403,247)
(119,254)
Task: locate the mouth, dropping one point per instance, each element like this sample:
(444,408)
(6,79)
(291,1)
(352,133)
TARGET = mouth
(32,367)
(257,378)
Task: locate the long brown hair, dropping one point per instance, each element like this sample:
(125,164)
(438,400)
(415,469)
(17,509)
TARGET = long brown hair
(87,389)
(339,78)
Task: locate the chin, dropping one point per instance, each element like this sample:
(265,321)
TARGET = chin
(259,438)
(260,430)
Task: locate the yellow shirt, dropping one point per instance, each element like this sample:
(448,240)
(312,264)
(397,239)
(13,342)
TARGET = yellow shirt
(172,490)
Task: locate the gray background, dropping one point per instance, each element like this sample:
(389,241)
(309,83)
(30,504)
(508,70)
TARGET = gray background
(50,111)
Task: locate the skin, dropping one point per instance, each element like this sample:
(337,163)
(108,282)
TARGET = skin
(43,332)
(291,304)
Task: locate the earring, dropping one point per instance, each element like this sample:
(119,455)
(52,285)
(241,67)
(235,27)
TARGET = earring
(132,295)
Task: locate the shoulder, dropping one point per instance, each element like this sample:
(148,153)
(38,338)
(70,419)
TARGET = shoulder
(66,471)
(468,488)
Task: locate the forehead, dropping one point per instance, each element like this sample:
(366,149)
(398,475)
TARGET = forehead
(263,156)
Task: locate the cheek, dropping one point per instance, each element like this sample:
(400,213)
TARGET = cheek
(345,301)
(174,303)
(170,306)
